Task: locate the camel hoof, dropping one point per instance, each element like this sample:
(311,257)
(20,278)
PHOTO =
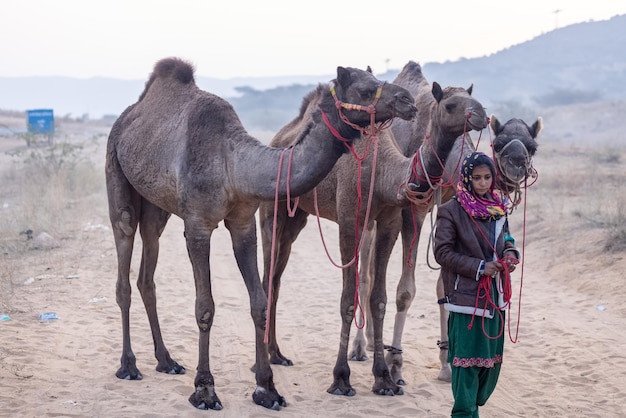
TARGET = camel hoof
(171,368)
(281,360)
(445,375)
(339,392)
(389,392)
(215,406)
(126,376)
(128,371)
(401,382)
(270,401)
(358,356)
(201,400)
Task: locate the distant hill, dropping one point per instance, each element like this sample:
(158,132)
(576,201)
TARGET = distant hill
(580,63)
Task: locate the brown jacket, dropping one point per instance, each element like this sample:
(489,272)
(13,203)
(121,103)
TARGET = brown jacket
(460,246)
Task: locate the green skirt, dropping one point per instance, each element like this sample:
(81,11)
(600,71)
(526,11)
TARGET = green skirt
(480,346)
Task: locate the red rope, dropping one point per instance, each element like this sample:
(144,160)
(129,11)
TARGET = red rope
(522,262)
(421,201)
(373,134)
(270,289)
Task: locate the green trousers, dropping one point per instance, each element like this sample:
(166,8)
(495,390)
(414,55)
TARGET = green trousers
(480,357)
(471,387)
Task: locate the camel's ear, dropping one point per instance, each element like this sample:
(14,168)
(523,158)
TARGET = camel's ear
(536,128)
(470,88)
(437,91)
(494,123)
(343,76)
(369,70)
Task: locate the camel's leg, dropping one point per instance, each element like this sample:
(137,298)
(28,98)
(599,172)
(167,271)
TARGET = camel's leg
(405,291)
(364,340)
(151,225)
(387,229)
(287,230)
(445,373)
(341,372)
(198,239)
(244,238)
(124,210)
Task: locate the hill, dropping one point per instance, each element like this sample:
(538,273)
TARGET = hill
(582,63)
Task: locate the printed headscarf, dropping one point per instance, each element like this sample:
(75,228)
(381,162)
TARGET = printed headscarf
(475,206)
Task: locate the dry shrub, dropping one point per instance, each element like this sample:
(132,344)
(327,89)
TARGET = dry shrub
(583,184)
(45,189)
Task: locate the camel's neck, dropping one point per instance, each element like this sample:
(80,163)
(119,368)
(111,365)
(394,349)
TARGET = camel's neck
(303,165)
(392,169)
(435,152)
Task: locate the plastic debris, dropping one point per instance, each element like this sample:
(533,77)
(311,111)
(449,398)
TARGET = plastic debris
(48,316)
(5,317)
(601,308)
(97,300)
(72,276)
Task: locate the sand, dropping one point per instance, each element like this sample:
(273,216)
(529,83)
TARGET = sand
(568,361)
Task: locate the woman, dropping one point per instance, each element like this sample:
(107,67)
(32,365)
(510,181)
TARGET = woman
(476,254)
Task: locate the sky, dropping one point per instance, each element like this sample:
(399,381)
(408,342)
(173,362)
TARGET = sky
(260,38)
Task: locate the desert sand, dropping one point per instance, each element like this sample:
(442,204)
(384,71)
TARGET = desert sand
(568,361)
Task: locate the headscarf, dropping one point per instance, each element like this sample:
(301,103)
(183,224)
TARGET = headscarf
(475,206)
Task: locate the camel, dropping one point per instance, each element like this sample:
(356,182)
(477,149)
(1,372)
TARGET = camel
(514,146)
(183,151)
(336,197)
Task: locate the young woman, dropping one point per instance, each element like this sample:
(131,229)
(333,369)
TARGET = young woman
(476,254)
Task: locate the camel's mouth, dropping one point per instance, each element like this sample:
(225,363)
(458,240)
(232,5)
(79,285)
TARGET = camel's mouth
(408,114)
(514,163)
(404,109)
(477,124)
(477,119)
(512,175)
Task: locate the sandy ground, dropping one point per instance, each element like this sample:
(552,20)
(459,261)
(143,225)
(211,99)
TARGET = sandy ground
(569,360)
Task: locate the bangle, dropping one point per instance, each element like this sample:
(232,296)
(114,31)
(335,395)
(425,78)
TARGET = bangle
(481,268)
(509,238)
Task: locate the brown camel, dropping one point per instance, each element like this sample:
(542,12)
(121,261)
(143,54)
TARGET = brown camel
(514,145)
(412,137)
(337,195)
(180,150)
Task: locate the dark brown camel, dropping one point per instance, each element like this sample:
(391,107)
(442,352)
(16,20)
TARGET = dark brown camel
(514,146)
(180,150)
(456,111)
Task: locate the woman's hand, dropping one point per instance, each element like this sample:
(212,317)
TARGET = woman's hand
(492,268)
(510,262)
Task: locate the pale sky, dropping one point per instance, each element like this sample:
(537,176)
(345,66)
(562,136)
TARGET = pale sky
(258,38)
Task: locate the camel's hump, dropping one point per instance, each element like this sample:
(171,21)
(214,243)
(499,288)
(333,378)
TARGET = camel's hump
(170,68)
(175,68)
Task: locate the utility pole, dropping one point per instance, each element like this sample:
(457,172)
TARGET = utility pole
(556,18)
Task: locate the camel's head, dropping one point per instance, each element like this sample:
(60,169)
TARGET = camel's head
(360,92)
(514,145)
(456,111)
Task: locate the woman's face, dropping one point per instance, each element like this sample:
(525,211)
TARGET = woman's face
(481,180)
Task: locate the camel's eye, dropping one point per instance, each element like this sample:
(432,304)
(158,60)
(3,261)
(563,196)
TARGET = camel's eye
(368,94)
(450,107)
